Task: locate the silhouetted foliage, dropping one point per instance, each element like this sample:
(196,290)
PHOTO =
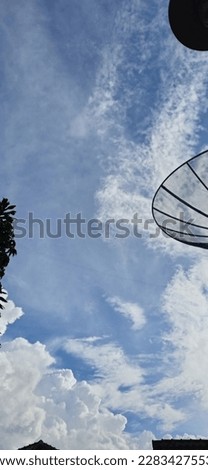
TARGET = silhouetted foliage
(7,243)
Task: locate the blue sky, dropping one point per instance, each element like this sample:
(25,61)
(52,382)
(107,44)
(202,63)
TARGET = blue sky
(102,337)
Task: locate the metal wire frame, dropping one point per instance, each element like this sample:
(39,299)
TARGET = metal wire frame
(183,237)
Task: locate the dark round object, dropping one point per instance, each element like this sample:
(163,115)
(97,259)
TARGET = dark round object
(189,22)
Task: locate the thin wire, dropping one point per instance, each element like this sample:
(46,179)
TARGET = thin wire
(180,220)
(201,181)
(184,202)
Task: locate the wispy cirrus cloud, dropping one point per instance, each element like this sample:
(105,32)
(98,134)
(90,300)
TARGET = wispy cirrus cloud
(184,305)
(136,164)
(125,391)
(130,310)
(105,149)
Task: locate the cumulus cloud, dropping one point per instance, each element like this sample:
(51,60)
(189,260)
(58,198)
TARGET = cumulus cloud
(9,314)
(42,402)
(75,417)
(130,310)
(51,404)
(22,365)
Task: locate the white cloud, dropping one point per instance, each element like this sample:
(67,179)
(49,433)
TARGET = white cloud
(183,436)
(51,404)
(120,382)
(135,167)
(75,417)
(40,402)
(185,306)
(110,361)
(22,416)
(43,402)
(9,314)
(130,310)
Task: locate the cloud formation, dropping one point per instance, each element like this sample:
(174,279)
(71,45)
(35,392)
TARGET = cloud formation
(110,144)
(130,310)
(43,402)
(9,314)
(120,381)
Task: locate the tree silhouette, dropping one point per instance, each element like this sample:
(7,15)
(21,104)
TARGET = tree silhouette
(7,243)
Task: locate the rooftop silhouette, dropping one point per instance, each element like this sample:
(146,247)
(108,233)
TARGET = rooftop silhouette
(180,444)
(38,445)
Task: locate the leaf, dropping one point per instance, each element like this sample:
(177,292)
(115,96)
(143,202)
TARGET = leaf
(11,207)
